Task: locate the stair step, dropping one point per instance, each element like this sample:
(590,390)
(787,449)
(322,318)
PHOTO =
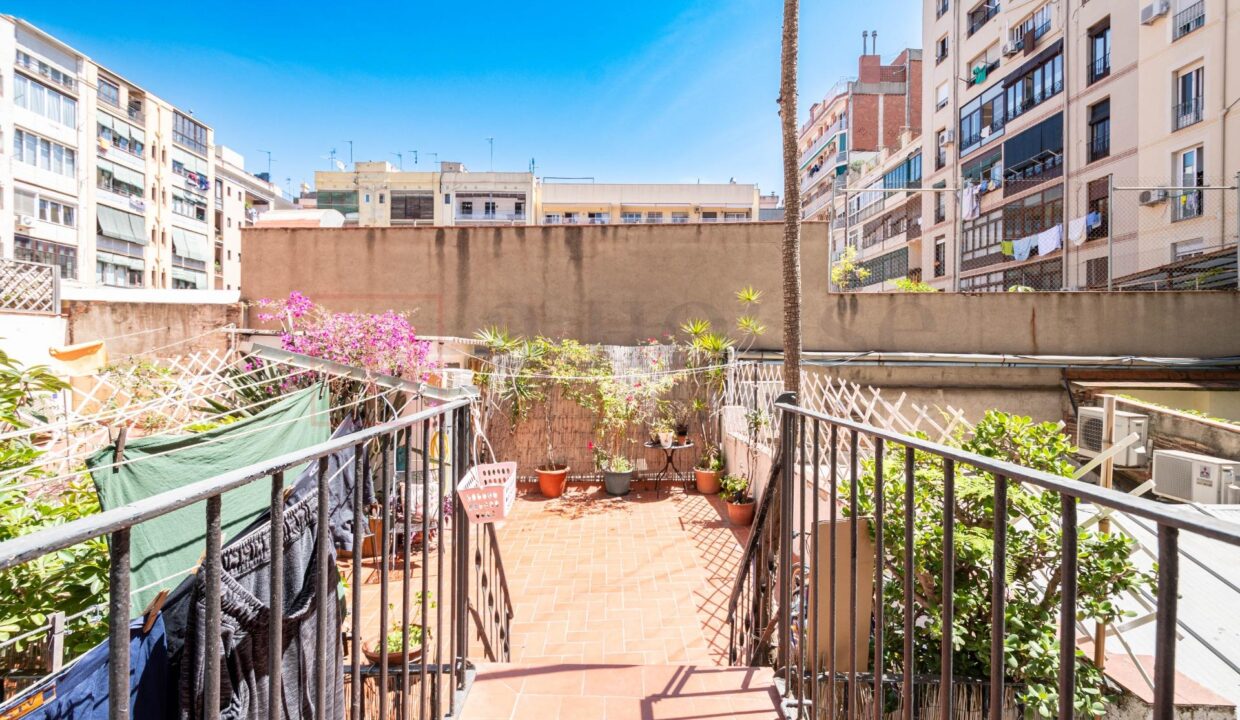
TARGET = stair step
(513,691)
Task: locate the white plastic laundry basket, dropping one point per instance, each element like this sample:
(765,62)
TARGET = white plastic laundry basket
(488,491)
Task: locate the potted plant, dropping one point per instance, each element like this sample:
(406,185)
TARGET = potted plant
(665,432)
(709,470)
(617,472)
(394,641)
(739,501)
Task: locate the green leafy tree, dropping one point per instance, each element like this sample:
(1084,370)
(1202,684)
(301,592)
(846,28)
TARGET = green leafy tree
(1034,563)
(71,580)
(846,272)
(910,285)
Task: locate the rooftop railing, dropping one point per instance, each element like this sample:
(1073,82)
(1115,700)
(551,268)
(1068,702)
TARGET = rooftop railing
(775,614)
(468,589)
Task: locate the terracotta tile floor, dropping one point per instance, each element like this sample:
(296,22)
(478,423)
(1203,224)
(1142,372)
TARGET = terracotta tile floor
(620,692)
(633,580)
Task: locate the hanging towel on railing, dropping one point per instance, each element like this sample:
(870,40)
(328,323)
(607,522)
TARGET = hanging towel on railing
(1050,240)
(969,205)
(1076,231)
(80,691)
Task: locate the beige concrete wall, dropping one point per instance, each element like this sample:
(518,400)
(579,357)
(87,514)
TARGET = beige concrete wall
(618,284)
(172,323)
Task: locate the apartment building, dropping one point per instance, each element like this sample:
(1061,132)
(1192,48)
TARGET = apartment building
(240,199)
(857,118)
(100,177)
(878,210)
(578,203)
(375,194)
(1041,109)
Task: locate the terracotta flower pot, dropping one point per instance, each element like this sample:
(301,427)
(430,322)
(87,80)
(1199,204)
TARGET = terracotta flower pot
(707,480)
(741,514)
(395,659)
(552,480)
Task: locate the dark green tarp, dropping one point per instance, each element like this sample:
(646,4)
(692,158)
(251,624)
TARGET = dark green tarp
(165,547)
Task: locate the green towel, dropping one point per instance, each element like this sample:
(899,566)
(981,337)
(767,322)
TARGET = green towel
(1006,247)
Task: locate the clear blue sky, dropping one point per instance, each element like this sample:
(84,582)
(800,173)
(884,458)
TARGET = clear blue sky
(642,90)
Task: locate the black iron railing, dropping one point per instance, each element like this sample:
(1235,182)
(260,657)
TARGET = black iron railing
(1186,113)
(1189,19)
(453,597)
(1099,67)
(773,613)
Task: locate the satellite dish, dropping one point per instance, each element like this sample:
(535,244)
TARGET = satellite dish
(340,166)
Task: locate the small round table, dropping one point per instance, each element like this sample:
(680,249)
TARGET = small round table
(669,469)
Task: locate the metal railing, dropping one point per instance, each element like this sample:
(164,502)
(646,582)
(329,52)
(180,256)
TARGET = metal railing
(1189,19)
(29,287)
(1099,67)
(774,610)
(462,575)
(1186,113)
(979,18)
(1100,146)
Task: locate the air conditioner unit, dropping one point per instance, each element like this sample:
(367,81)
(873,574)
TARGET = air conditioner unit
(1194,478)
(1152,197)
(947,138)
(1154,10)
(1089,430)
(1010,49)
(25,221)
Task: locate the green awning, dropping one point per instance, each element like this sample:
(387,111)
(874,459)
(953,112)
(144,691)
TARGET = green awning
(198,278)
(121,225)
(190,245)
(163,549)
(132,263)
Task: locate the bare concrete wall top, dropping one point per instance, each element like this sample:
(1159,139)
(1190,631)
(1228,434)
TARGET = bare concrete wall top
(141,327)
(621,283)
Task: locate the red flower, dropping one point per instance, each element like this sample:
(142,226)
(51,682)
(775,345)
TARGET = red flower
(590,445)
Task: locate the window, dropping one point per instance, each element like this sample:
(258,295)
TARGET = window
(343,201)
(630,218)
(47,253)
(56,75)
(654,217)
(941,9)
(119,179)
(380,198)
(44,101)
(121,135)
(1099,130)
(1034,156)
(1187,203)
(109,92)
(892,266)
(1033,214)
(1188,248)
(940,153)
(366,199)
(599,218)
(488,209)
(409,205)
(1032,28)
(1030,87)
(905,175)
(940,210)
(1189,88)
(1096,272)
(680,217)
(1098,203)
(570,218)
(1188,19)
(189,133)
(981,120)
(940,50)
(467,208)
(44,154)
(942,95)
(518,210)
(982,14)
(1100,51)
(551,219)
(192,168)
(189,204)
(57,213)
(940,257)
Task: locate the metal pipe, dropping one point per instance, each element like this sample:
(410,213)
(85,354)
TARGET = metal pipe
(118,625)
(998,598)
(879,560)
(947,651)
(275,601)
(1067,607)
(212,566)
(1110,231)
(1164,639)
(909,598)
(326,595)
(361,474)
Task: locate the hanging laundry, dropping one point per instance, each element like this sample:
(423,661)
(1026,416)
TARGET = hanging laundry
(1189,202)
(1076,231)
(1050,240)
(165,546)
(1023,248)
(244,678)
(80,691)
(1093,220)
(969,206)
(1006,247)
(996,174)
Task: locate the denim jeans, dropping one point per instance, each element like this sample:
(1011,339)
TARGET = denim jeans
(245,621)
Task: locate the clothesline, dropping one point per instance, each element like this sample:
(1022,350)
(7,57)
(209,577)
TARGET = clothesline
(45,481)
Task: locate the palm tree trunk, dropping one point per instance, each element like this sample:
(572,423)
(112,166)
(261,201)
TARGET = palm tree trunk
(792,200)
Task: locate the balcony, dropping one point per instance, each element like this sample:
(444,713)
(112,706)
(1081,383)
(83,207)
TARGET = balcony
(836,128)
(45,71)
(1099,68)
(940,8)
(979,18)
(494,217)
(1186,204)
(1188,20)
(1100,147)
(1186,113)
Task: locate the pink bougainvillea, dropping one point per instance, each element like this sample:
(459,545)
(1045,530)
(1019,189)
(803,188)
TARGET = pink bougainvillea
(383,343)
